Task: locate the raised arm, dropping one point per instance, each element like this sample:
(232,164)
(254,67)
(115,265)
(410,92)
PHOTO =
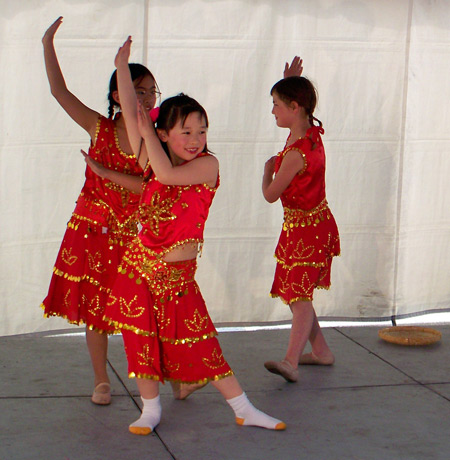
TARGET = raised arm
(128,101)
(81,114)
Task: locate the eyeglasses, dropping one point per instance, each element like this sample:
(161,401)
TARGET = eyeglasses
(150,92)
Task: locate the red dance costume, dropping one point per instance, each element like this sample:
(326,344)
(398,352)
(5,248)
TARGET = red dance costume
(103,223)
(309,238)
(167,331)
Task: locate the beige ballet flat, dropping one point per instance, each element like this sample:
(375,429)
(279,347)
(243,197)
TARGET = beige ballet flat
(282,368)
(102,394)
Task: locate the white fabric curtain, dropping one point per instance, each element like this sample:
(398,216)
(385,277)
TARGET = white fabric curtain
(382,72)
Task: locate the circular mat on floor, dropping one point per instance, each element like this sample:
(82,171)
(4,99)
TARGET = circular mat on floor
(410,335)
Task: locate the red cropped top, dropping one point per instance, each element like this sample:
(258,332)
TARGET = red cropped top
(172,215)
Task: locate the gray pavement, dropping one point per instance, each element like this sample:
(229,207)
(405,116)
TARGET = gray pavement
(379,401)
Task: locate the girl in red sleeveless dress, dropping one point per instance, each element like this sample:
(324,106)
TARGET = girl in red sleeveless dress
(309,238)
(155,301)
(105,217)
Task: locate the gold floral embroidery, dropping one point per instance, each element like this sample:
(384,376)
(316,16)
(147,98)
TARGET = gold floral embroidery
(157,211)
(197,323)
(93,305)
(163,322)
(67,299)
(169,366)
(129,310)
(215,361)
(304,252)
(68,257)
(306,287)
(111,300)
(94,262)
(144,358)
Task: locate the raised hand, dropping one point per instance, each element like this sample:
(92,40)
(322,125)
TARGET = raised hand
(123,55)
(145,124)
(295,69)
(51,31)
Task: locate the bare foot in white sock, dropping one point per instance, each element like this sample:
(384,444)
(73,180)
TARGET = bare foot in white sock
(150,417)
(248,415)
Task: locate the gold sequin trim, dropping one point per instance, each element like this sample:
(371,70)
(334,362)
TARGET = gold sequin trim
(305,163)
(128,228)
(78,279)
(80,322)
(216,378)
(294,218)
(295,299)
(136,330)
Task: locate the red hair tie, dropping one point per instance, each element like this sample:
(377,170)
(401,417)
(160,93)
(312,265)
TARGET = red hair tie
(154,114)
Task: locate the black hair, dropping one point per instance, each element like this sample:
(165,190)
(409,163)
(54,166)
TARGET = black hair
(138,73)
(175,109)
(300,90)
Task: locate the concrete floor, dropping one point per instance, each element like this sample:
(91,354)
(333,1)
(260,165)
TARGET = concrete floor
(379,401)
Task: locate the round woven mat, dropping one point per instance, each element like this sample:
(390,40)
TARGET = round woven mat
(410,335)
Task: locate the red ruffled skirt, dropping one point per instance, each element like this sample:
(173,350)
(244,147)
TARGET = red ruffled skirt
(167,331)
(308,242)
(84,273)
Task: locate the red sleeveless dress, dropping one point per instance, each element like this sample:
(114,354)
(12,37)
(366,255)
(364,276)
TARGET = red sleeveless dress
(103,223)
(309,238)
(167,331)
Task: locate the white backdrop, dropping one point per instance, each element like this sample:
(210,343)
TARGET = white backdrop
(382,71)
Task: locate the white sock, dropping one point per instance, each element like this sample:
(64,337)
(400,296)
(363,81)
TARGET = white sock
(247,414)
(150,417)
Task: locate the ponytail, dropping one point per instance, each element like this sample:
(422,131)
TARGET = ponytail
(311,120)
(111,106)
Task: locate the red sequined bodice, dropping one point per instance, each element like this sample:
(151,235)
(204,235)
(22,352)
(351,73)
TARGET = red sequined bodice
(102,201)
(307,188)
(172,215)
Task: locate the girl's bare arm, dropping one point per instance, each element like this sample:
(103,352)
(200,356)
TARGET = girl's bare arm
(80,113)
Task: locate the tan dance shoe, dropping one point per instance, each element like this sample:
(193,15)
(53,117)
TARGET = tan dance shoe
(102,394)
(282,368)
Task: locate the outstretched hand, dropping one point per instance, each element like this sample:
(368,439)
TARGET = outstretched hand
(96,167)
(123,55)
(51,31)
(145,124)
(295,69)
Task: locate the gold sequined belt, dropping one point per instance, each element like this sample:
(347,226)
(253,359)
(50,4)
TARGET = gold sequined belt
(99,213)
(160,275)
(300,218)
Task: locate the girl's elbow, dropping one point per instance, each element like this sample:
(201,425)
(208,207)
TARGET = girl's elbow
(269,197)
(164,179)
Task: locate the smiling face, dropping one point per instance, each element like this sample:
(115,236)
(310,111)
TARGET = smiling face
(186,140)
(284,113)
